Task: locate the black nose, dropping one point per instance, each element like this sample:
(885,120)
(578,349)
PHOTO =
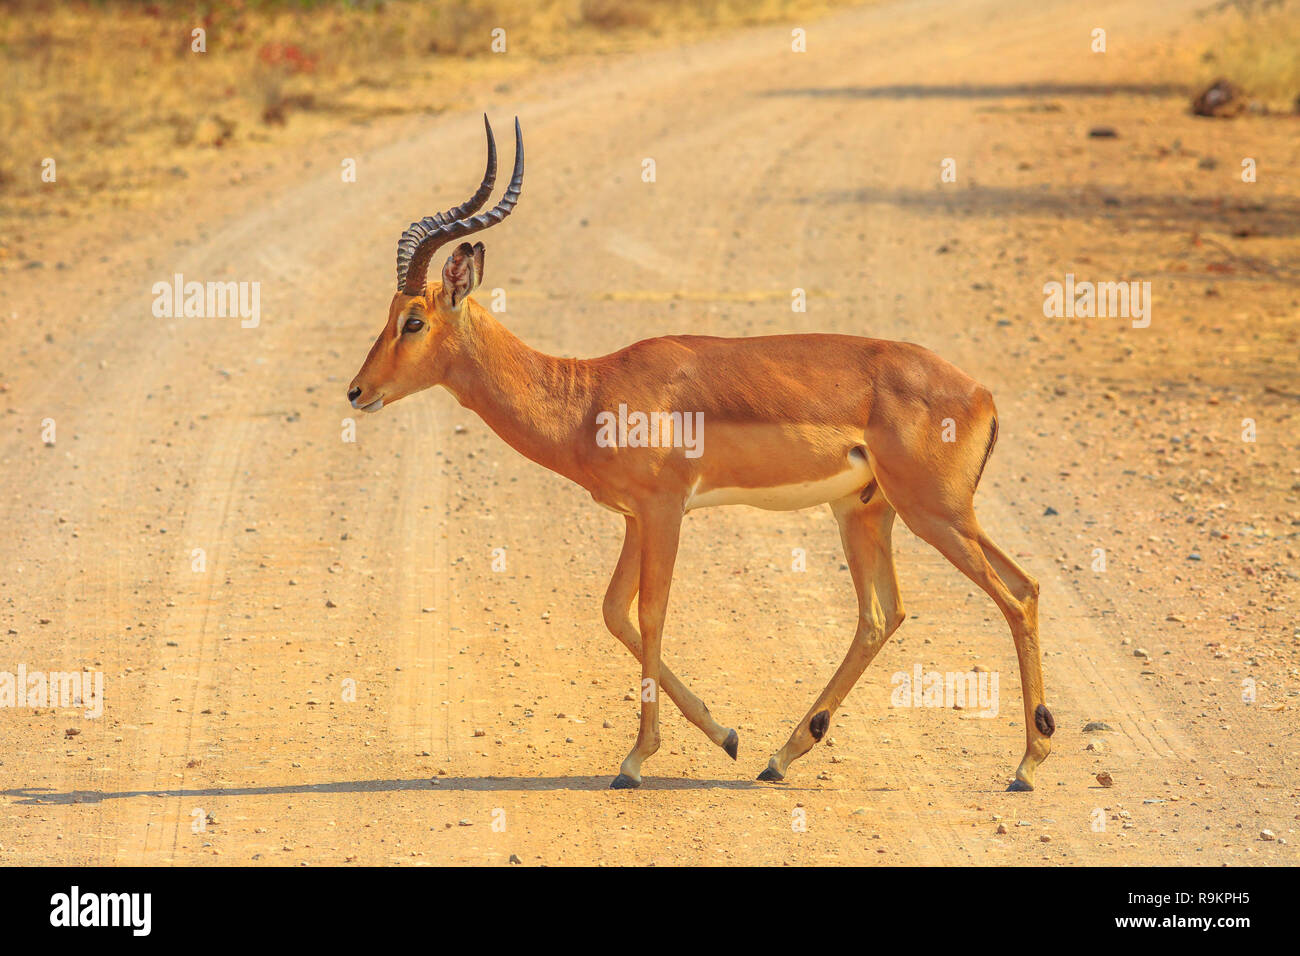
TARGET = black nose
(353,393)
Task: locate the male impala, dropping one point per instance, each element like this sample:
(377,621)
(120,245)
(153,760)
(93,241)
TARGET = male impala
(791,421)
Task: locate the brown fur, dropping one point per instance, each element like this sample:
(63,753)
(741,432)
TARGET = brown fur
(780,411)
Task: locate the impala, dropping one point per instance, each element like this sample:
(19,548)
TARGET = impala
(869,427)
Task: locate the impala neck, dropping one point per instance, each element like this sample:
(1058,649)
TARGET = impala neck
(536,403)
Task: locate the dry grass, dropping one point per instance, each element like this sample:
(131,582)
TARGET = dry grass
(1257,46)
(115,94)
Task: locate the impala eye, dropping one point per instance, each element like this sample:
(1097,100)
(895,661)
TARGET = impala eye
(413,324)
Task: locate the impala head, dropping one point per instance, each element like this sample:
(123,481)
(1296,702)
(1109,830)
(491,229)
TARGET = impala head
(413,350)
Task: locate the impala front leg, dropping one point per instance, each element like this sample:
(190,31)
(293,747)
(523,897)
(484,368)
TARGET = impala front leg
(618,602)
(659,536)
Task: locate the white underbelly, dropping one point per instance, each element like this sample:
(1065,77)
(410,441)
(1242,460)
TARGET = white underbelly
(792,497)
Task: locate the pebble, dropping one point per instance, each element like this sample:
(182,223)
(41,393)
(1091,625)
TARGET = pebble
(1105,779)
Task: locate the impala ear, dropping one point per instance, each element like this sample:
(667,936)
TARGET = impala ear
(478,263)
(461,273)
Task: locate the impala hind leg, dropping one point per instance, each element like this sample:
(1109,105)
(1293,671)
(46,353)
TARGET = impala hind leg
(659,532)
(865,530)
(958,537)
(618,603)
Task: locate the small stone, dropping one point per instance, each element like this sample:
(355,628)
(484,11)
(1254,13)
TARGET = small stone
(1044,838)
(1097,726)
(1002,828)
(480,732)
(1096,746)
(1105,779)
(1141,652)
(515,860)
(1221,98)
(1267,835)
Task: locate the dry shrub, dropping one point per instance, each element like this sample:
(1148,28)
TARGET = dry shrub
(616,14)
(139,98)
(1256,44)
(463,29)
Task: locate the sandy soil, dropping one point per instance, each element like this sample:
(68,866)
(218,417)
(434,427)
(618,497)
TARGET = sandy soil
(492,708)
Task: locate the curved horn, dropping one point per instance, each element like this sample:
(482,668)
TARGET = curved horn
(456,212)
(475,201)
(422,239)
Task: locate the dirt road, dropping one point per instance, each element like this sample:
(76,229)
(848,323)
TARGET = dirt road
(203,533)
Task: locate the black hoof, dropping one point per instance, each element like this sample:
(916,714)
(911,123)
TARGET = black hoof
(771,776)
(624,782)
(1019,786)
(732,744)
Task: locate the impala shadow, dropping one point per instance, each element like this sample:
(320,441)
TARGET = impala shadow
(42,797)
(1273,216)
(965,91)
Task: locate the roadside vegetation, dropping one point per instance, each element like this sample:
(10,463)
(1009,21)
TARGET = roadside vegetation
(119,94)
